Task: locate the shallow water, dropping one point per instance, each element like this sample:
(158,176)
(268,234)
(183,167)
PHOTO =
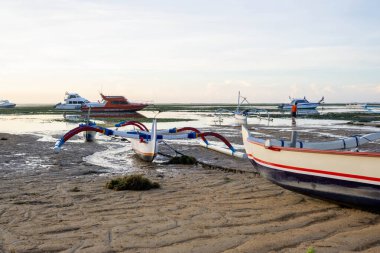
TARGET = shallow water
(119,157)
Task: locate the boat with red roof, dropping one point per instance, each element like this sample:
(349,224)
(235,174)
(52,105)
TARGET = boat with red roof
(113,104)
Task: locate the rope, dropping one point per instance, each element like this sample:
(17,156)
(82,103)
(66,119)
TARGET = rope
(176,151)
(366,139)
(120,139)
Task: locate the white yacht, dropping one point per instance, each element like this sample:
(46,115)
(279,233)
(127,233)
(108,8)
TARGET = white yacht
(72,102)
(6,104)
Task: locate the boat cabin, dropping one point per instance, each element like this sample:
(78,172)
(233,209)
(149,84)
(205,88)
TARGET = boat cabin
(299,101)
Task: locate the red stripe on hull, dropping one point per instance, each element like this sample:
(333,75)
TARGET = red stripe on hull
(375,179)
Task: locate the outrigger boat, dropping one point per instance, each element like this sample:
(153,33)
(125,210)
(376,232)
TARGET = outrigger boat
(241,116)
(145,143)
(318,169)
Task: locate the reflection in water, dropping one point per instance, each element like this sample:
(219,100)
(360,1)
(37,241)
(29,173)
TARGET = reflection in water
(302,112)
(305,112)
(100,115)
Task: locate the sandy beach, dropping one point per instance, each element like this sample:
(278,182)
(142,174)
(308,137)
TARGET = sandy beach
(58,203)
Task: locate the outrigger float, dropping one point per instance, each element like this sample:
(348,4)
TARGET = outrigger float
(145,143)
(318,169)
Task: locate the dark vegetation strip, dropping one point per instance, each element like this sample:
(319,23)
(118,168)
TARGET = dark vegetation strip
(211,108)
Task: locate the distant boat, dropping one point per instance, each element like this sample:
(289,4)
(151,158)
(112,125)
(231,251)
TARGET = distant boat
(356,105)
(72,102)
(6,104)
(318,169)
(372,106)
(302,103)
(241,116)
(113,104)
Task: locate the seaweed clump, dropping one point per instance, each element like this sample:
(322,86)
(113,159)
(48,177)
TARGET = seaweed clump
(184,159)
(132,182)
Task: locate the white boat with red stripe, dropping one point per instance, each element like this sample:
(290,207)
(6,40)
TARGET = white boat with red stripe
(313,168)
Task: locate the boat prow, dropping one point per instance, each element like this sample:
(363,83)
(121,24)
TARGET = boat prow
(146,149)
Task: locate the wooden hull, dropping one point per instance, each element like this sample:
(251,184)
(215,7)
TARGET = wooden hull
(240,119)
(351,178)
(147,149)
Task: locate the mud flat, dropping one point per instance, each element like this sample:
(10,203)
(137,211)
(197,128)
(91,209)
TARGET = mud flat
(58,203)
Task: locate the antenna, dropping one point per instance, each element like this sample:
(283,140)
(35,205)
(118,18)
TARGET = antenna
(158,110)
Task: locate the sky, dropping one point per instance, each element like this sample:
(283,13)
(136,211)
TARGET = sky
(170,51)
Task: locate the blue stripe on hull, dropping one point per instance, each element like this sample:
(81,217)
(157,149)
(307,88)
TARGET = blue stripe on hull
(344,192)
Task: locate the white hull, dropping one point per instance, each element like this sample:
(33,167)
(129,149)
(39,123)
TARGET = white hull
(347,177)
(147,149)
(6,104)
(240,119)
(67,107)
(72,101)
(301,106)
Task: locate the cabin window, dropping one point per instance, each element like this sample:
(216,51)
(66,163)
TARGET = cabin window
(119,102)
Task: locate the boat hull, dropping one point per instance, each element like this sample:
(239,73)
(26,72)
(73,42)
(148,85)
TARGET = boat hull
(131,108)
(240,119)
(344,192)
(147,149)
(68,107)
(8,106)
(350,178)
(308,106)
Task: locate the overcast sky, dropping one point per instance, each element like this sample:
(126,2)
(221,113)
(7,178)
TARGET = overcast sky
(190,50)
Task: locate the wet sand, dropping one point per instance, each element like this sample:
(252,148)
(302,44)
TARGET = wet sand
(58,203)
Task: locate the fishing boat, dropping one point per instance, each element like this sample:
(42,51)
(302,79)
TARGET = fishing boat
(145,143)
(241,115)
(302,103)
(319,168)
(6,104)
(146,148)
(72,101)
(113,104)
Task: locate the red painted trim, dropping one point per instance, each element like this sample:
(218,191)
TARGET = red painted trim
(316,171)
(306,150)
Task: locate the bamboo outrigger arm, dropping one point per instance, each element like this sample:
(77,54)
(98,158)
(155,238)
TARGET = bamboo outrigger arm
(346,143)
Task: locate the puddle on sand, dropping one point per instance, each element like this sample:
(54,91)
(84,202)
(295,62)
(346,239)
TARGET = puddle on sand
(118,158)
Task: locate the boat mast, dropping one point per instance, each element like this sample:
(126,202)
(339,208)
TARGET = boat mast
(238,106)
